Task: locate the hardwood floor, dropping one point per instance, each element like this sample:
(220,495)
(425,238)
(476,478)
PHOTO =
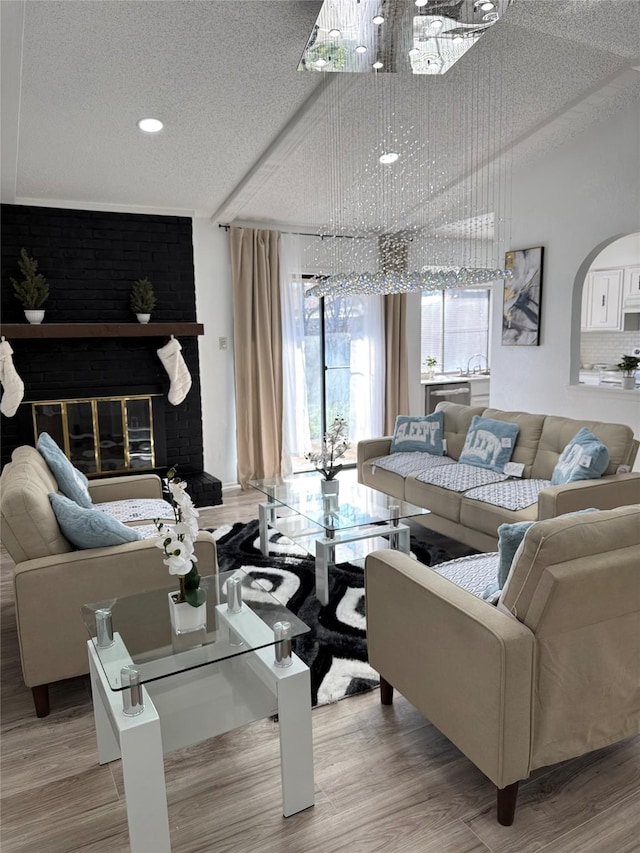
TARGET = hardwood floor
(386,780)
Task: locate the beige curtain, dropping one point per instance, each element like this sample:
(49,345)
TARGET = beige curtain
(258,352)
(396,385)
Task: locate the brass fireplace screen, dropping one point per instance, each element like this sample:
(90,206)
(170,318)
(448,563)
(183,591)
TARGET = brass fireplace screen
(101,434)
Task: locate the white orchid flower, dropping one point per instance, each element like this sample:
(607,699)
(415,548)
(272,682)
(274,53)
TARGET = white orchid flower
(177,548)
(178,565)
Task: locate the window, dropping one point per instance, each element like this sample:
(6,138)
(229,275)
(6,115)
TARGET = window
(455,326)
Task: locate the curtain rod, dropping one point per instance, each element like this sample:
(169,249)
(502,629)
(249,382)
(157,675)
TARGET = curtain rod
(306,233)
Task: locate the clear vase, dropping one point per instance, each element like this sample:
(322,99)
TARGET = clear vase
(184,617)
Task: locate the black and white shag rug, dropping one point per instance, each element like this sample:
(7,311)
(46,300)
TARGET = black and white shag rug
(335,650)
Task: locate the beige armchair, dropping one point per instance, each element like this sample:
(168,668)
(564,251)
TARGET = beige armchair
(551,673)
(52,580)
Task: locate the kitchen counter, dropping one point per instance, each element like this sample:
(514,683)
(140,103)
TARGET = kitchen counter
(609,379)
(448,378)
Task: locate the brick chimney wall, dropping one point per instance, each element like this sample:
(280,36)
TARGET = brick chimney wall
(91,260)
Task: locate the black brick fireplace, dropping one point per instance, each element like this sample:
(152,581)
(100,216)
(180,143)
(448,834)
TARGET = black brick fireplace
(91,260)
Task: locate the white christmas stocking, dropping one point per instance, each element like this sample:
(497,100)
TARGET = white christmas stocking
(12,385)
(178,372)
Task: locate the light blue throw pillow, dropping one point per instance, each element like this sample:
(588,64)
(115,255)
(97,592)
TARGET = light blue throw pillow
(422,434)
(492,593)
(489,443)
(584,458)
(90,528)
(71,482)
(509,538)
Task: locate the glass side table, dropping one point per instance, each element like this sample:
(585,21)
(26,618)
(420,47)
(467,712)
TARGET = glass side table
(155,691)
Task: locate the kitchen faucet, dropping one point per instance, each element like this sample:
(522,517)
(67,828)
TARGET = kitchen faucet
(477,355)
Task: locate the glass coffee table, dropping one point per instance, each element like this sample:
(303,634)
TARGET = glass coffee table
(155,690)
(335,528)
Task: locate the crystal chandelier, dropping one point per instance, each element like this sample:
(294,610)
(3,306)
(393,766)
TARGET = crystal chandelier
(369,284)
(417,173)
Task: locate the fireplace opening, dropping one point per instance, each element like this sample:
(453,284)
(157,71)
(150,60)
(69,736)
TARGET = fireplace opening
(105,435)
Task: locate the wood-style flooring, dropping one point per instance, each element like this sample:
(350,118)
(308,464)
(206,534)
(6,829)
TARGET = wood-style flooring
(386,780)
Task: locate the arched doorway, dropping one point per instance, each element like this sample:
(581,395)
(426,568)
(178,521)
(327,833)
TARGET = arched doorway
(608,295)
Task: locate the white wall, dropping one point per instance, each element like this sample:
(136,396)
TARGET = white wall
(574,201)
(212,267)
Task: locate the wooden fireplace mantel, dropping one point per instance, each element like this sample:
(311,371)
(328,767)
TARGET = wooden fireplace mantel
(100,330)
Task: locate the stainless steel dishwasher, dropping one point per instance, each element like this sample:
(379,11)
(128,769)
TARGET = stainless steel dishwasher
(454,392)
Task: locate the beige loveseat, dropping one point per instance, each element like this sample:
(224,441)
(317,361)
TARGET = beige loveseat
(52,580)
(549,674)
(540,441)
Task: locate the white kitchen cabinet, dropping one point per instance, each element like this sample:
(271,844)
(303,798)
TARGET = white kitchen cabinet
(631,300)
(631,285)
(602,300)
(586,302)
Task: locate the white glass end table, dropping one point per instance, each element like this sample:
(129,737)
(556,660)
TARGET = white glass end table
(337,528)
(155,690)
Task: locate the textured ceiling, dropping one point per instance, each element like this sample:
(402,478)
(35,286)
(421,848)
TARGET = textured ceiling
(247,137)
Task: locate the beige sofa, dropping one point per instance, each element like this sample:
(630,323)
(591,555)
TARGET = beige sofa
(52,580)
(540,442)
(549,674)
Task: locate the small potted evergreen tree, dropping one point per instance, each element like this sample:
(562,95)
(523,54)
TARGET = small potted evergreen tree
(142,299)
(33,291)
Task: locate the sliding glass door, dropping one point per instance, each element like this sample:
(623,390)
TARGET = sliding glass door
(341,348)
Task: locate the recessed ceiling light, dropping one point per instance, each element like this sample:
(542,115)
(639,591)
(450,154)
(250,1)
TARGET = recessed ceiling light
(389,157)
(334,33)
(320,63)
(457,39)
(150,125)
(436,24)
(421,2)
(486,6)
(414,51)
(361,49)
(378,19)
(378,64)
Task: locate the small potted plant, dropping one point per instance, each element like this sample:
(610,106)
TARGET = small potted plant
(430,363)
(628,365)
(142,299)
(33,291)
(334,445)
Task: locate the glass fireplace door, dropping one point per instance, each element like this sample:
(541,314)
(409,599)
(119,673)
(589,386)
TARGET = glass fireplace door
(101,435)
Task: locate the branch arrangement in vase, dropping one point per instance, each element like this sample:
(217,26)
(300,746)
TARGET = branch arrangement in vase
(334,445)
(177,541)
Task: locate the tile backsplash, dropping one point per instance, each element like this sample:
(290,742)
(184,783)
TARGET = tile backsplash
(606,347)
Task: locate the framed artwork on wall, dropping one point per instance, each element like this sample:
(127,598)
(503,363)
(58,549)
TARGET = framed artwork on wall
(522,298)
